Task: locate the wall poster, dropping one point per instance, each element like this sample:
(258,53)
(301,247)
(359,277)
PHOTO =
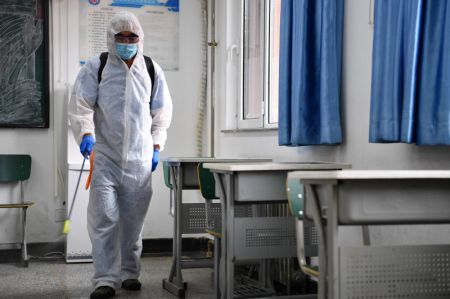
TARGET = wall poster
(159,20)
(24,79)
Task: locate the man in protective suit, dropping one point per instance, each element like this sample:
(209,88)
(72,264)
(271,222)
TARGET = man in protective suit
(119,111)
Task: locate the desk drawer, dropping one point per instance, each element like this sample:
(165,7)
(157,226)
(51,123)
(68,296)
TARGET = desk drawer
(260,186)
(190,177)
(394,201)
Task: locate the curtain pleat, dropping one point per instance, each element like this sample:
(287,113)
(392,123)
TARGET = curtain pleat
(410,96)
(310,72)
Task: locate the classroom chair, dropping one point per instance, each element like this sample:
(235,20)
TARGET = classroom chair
(307,241)
(14,169)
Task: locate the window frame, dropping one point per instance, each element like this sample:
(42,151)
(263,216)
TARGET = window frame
(268,64)
(262,122)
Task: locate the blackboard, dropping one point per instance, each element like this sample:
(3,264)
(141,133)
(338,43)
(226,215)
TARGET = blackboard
(24,76)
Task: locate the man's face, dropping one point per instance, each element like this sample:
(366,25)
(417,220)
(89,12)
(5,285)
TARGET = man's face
(126,37)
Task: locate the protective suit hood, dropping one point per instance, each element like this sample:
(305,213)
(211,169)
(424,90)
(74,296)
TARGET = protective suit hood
(124,21)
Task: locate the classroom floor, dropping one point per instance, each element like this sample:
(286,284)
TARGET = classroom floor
(58,280)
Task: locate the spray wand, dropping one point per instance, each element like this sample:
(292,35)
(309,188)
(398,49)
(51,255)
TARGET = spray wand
(66,227)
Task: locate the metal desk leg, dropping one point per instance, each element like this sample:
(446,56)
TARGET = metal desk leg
(312,200)
(174,284)
(229,265)
(24,239)
(217,245)
(332,242)
(223,257)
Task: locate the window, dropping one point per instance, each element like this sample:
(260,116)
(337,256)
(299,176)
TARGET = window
(258,105)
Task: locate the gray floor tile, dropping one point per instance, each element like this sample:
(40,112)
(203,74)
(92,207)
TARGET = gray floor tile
(58,280)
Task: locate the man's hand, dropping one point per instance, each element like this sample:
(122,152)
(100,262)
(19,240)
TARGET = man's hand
(155,158)
(87,143)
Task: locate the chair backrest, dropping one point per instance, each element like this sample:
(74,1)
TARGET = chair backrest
(166,170)
(296,198)
(206,182)
(306,231)
(14,167)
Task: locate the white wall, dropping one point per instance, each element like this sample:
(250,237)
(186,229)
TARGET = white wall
(48,147)
(355,149)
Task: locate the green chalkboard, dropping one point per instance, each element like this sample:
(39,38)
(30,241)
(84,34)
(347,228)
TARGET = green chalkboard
(24,76)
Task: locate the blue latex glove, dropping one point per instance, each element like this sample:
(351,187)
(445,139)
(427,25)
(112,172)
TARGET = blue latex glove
(155,159)
(87,143)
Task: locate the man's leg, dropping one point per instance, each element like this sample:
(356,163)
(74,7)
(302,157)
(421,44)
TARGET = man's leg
(134,200)
(103,227)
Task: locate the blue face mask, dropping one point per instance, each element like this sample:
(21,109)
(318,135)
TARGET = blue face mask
(126,51)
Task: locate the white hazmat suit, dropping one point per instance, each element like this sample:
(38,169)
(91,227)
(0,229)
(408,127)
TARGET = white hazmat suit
(126,125)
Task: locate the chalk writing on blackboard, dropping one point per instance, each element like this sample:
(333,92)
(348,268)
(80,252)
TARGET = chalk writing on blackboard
(22,59)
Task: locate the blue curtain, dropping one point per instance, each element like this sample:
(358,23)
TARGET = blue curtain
(310,72)
(410,99)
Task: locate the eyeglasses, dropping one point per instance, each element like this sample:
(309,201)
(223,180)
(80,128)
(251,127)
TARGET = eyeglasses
(131,39)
